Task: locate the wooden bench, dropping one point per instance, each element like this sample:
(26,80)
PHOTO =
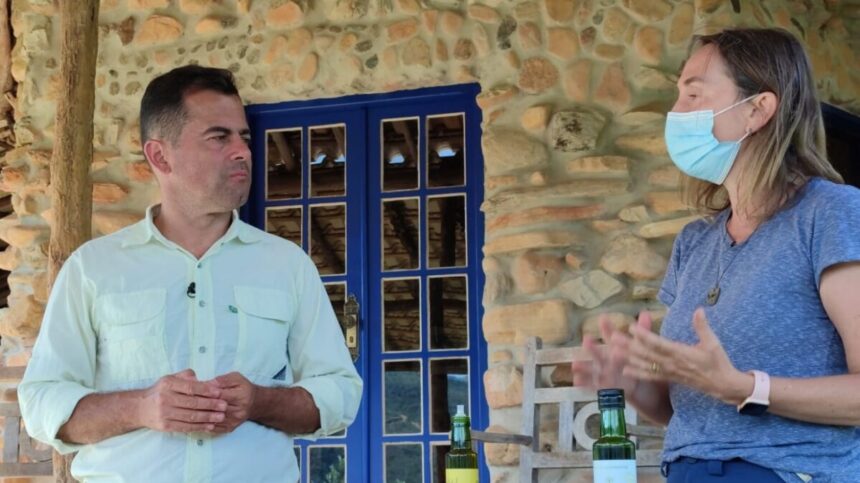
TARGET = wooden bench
(574,443)
(20,458)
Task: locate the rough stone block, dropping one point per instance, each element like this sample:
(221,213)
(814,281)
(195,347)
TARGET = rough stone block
(288,14)
(417,52)
(537,75)
(534,118)
(108,193)
(666,202)
(513,324)
(613,90)
(535,272)
(560,10)
(577,80)
(666,228)
(496,96)
(634,214)
(107,222)
(650,10)
(649,44)
(507,150)
(544,214)
(402,30)
(483,13)
(600,165)
(652,143)
(563,43)
(591,289)
(619,320)
(632,256)
(575,130)
(159,29)
(503,386)
(531,240)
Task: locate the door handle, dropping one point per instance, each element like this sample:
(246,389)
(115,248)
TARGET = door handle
(351,323)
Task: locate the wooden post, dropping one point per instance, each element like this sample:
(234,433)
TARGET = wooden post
(71,187)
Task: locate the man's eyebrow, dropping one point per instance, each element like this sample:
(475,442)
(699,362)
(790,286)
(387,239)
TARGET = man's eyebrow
(224,130)
(217,129)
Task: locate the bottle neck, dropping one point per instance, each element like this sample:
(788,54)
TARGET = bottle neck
(612,423)
(461,436)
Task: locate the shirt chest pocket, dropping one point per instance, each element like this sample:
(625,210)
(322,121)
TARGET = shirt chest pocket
(263,316)
(131,336)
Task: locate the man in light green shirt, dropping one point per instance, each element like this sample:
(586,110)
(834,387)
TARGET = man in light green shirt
(190,346)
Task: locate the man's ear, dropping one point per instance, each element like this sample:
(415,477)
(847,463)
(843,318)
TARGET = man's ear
(153,149)
(764,108)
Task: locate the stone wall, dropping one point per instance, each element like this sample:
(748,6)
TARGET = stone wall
(581,200)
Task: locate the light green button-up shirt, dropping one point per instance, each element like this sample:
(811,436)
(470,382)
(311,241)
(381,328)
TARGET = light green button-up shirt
(119,318)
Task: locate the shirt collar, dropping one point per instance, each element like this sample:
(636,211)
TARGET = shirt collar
(144,231)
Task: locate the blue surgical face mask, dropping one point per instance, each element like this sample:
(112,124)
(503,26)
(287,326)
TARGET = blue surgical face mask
(693,147)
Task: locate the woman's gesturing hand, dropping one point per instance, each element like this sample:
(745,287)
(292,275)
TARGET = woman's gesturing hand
(606,369)
(704,366)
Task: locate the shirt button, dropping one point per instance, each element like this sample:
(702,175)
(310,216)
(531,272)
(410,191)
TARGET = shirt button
(234,309)
(200,265)
(201,349)
(202,303)
(199,442)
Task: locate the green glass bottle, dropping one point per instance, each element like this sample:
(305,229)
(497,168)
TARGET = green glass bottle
(461,463)
(614,454)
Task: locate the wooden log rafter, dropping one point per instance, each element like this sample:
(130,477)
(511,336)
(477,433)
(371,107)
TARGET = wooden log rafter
(71,186)
(7,83)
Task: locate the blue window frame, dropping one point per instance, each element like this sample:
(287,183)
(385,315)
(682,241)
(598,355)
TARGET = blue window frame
(443,270)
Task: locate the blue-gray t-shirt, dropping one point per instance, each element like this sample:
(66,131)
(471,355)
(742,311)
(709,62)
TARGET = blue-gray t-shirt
(769,317)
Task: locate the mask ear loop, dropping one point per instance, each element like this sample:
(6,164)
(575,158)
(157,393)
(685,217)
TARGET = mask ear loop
(746,135)
(735,104)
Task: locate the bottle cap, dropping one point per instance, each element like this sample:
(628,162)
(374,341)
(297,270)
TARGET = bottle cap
(460,410)
(610,399)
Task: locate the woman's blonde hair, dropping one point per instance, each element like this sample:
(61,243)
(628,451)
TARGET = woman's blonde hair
(790,148)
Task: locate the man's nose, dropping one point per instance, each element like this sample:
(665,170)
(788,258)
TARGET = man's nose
(240,151)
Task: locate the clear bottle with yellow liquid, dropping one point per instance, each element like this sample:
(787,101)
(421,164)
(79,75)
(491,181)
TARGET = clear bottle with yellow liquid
(461,463)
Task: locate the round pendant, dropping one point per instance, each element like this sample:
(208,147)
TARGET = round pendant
(713,295)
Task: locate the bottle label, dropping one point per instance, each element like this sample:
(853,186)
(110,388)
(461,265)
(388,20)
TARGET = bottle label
(461,476)
(615,471)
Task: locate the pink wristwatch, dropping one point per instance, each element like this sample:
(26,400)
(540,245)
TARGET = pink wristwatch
(758,402)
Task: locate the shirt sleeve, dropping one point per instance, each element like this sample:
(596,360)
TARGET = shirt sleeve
(835,230)
(62,368)
(669,288)
(319,359)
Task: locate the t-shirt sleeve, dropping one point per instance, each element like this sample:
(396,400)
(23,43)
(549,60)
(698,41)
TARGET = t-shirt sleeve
(668,289)
(835,229)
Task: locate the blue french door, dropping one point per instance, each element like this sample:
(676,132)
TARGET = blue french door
(383,192)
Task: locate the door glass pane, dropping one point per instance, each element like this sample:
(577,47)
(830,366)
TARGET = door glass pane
(403,463)
(327,464)
(449,386)
(399,154)
(286,223)
(402,407)
(337,294)
(449,324)
(446,231)
(400,245)
(446,161)
(437,461)
(328,160)
(328,238)
(298,452)
(401,312)
(284,164)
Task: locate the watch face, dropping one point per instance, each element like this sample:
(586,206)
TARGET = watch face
(753,409)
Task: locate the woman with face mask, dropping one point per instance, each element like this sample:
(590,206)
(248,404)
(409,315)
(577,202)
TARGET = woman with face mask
(756,369)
